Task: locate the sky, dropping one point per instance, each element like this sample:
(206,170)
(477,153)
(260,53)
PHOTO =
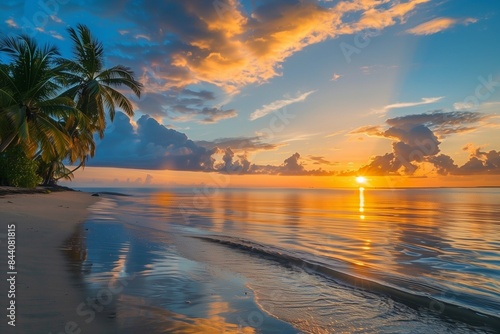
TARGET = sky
(291,93)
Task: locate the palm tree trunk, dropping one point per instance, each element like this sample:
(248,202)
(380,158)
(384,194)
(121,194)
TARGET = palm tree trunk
(49,175)
(7,141)
(71,172)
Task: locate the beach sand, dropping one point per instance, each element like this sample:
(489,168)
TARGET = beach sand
(47,294)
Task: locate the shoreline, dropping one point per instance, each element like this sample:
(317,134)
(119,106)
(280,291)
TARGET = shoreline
(46,293)
(7,190)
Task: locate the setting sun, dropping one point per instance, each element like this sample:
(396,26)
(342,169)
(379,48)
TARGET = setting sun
(361,179)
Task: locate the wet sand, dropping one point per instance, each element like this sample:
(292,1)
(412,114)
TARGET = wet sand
(46,292)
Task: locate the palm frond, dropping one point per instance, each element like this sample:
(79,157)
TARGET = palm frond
(115,97)
(87,50)
(121,75)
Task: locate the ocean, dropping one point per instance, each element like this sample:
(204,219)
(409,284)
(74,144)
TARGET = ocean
(294,260)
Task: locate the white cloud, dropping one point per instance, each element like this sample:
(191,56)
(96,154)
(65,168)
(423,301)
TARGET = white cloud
(487,107)
(268,108)
(336,76)
(439,24)
(56,19)
(336,133)
(460,106)
(299,137)
(56,35)
(425,100)
(11,23)
(367,70)
(146,37)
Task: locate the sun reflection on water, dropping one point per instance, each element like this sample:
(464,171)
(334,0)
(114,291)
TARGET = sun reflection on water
(361,203)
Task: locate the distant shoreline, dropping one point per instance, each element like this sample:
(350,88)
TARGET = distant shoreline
(4,190)
(103,191)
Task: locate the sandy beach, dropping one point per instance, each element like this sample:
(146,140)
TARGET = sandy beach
(46,294)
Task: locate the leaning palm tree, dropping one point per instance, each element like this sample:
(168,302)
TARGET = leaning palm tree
(81,147)
(95,90)
(30,105)
(51,171)
(93,87)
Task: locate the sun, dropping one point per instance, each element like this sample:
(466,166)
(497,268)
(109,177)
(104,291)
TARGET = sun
(361,179)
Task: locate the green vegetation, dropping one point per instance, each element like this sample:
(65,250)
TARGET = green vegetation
(17,170)
(51,107)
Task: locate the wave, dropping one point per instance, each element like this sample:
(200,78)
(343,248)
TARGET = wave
(338,273)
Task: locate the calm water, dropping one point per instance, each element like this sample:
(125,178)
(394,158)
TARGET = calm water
(289,261)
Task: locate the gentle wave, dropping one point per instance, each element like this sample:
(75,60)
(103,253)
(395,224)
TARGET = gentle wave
(413,299)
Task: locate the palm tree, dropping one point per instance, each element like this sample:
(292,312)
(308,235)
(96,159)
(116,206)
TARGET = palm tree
(92,87)
(81,147)
(30,107)
(53,106)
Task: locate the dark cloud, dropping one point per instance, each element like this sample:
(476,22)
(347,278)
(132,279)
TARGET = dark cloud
(443,123)
(209,115)
(154,104)
(205,95)
(240,166)
(150,146)
(240,144)
(444,164)
(481,163)
(473,166)
(292,166)
(185,105)
(386,164)
(415,141)
(411,143)
(370,130)
(319,160)
(213,115)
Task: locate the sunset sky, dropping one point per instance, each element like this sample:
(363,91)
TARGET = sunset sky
(292,92)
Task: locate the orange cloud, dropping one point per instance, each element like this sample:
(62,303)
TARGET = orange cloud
(438,24)
(374,18)
(233,49)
